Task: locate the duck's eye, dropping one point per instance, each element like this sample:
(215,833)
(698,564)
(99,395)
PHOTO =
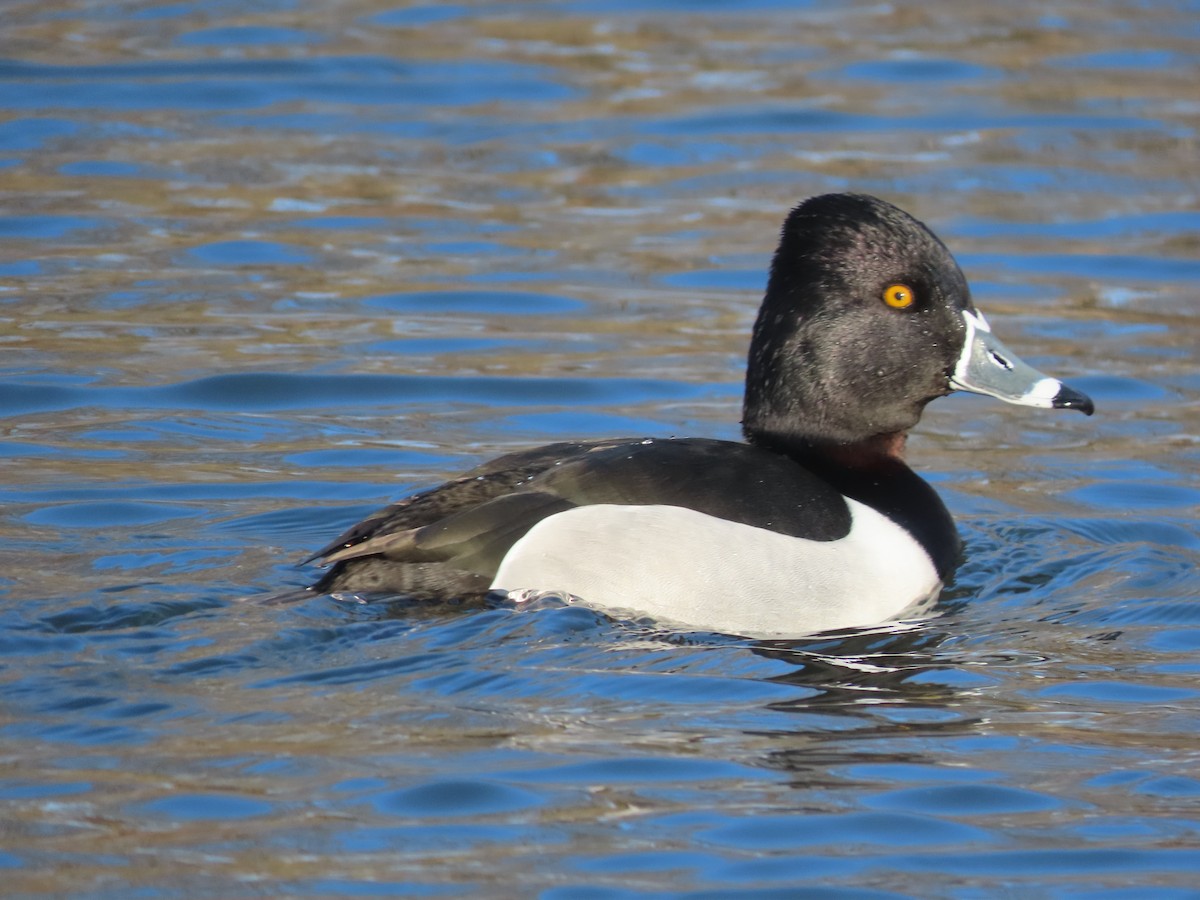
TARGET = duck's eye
(899,296)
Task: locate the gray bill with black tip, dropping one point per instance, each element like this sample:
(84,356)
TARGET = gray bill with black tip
(986,366)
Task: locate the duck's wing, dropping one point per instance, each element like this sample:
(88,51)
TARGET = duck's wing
(447,541)
(455,536)
(480,485)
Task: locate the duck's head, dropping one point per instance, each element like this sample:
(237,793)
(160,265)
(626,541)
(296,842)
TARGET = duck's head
(867,317)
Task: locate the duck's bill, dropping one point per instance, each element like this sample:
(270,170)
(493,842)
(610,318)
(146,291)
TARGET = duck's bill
(988,367)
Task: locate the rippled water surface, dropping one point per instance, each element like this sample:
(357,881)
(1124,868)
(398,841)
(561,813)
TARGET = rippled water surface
(267,265)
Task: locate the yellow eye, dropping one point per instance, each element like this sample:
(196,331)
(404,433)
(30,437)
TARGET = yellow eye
(899,296)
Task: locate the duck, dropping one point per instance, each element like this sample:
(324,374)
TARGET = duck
(814,522)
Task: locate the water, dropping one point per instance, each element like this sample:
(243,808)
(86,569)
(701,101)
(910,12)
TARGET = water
(268,265)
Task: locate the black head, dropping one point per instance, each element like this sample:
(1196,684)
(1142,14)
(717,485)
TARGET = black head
(860,327)
(867,317)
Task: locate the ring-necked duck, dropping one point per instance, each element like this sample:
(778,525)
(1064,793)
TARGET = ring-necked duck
(814,523)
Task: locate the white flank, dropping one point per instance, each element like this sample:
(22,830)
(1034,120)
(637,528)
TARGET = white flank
(686,567)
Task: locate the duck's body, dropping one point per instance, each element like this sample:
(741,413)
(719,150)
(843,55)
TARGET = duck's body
(814,523)
(633,524)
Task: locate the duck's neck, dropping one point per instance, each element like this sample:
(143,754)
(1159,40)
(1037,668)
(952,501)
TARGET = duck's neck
(879,453)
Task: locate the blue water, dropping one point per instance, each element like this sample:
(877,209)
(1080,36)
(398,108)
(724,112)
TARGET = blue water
(267,266)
